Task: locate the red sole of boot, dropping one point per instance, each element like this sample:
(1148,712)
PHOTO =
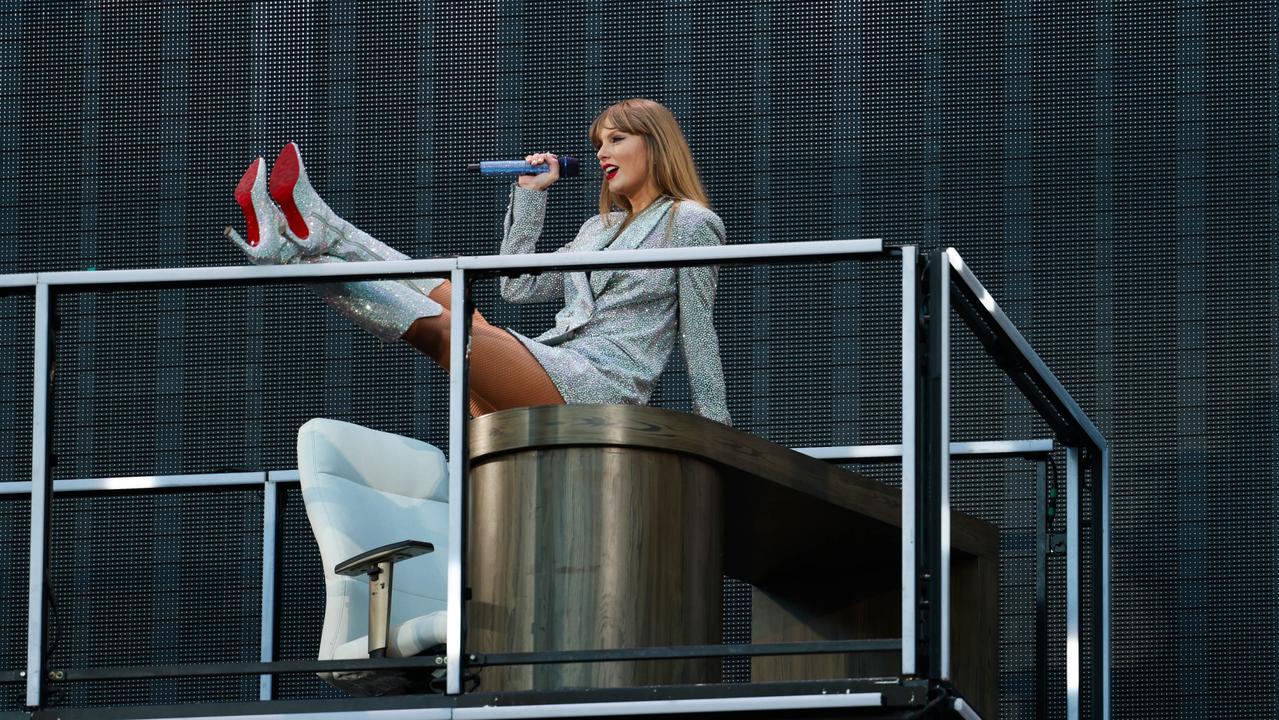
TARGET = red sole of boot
(284,177)
(244,196)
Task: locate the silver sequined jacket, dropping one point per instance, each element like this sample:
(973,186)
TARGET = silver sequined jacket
(618,327)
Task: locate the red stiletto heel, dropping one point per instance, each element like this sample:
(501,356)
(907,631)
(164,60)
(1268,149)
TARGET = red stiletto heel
(266,245)
(285,173)
(244,197)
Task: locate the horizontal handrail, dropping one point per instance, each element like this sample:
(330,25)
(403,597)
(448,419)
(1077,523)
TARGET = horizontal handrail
(977,449)
(673,652)
(682,652)
(141,482)
(19,280)
(506,264)
(836,453)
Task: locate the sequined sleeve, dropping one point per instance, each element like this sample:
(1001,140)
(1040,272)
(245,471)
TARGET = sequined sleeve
(697,330)
(520,231)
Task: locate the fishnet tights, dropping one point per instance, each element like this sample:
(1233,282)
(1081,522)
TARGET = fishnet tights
(503,373)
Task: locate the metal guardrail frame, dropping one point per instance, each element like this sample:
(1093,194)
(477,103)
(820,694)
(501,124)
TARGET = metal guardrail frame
(1086,451)
(924,349)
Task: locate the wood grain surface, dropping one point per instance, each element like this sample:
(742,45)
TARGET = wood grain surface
(594,548)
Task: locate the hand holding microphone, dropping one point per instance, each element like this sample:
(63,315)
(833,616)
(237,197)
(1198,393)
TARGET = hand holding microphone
(536,172)
(544,180)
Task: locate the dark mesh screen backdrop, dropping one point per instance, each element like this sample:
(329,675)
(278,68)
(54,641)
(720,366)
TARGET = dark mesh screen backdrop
(1109,169)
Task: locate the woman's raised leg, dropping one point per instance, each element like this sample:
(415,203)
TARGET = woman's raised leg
(504,374)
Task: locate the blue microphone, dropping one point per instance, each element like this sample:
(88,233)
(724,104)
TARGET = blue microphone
(569,167)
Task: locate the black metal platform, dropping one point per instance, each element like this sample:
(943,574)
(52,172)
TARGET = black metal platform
(892,697)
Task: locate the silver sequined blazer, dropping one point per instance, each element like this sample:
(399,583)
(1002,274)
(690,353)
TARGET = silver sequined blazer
(618,327)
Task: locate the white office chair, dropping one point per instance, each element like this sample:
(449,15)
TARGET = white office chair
(366,493)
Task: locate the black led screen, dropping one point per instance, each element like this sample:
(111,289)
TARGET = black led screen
(1109,169)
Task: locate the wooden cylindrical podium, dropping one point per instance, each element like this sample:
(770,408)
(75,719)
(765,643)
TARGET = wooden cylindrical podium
(591,547)
(610,526)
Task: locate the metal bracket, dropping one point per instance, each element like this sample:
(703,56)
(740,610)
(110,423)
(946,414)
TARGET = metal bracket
(1057,543)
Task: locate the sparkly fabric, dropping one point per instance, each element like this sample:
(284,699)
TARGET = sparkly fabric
(385,308)
(618,328)
(351,244)
(335,237)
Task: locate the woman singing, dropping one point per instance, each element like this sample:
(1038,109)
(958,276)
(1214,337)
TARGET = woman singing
(617,329)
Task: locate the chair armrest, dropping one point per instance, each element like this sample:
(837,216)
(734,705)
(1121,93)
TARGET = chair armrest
(377,564)
(367,561)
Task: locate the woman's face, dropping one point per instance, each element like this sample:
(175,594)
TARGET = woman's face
(624,159)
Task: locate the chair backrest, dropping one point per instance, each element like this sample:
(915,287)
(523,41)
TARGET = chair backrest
(363,489)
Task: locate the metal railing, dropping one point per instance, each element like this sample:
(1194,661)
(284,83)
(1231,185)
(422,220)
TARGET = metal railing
(925,452)
(1086,451)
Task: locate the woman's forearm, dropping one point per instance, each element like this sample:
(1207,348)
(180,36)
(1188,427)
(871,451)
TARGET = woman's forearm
(525,214)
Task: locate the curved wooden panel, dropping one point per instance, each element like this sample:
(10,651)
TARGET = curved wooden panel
(576,548)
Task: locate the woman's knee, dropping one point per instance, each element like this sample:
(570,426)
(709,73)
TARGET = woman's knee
(443,294)
(431,335)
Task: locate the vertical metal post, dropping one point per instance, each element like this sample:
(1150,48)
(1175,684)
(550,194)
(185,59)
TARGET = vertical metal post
(41,496)
(941,321)
(270,543)
(458,342)
(930,468)
(1074,508)
(1099,471)
(1041,588)
(910,343)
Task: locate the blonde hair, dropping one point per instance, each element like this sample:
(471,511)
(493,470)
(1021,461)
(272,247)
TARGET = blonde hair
(670,162)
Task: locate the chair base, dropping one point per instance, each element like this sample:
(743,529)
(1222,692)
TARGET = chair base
(392,682)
